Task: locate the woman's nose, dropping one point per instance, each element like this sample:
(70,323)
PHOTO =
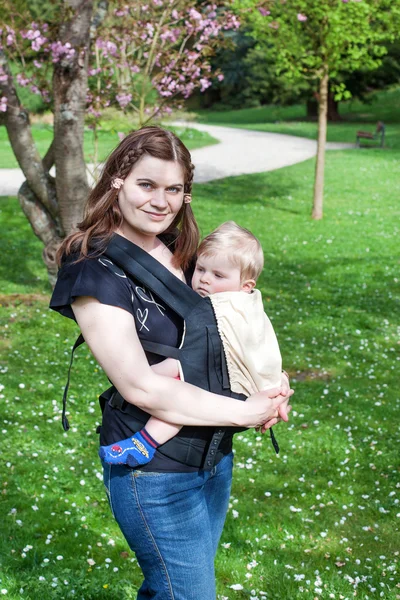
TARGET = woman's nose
(159,199)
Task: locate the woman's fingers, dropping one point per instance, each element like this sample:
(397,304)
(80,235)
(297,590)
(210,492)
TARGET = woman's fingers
(283,413)
(285,394)
(273,421)
(270,424)
(262,408)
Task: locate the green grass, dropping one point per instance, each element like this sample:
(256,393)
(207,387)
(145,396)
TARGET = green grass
(291,120)
(320,521)
(107,140)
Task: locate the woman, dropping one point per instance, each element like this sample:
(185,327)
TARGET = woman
(170,513)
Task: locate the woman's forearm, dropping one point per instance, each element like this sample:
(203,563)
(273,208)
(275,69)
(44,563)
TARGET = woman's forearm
(184,404)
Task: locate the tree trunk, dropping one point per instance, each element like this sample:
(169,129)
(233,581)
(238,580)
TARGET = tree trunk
(69,87)
(320,164)
(333,109)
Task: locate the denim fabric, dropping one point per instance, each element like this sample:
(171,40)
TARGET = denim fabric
(173,523)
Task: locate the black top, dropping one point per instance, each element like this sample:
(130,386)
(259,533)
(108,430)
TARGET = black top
(155,321)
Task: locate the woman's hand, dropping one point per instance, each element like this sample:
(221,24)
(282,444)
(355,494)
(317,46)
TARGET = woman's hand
(284,408)
(263,409)
(271,422)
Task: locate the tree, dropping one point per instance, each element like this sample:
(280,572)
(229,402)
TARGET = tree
(141,57)
(52,206)
(319,39)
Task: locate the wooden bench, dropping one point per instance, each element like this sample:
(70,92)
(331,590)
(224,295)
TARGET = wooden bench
(367,135)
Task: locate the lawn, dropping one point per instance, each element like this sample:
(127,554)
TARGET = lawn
(107,140)
(321,520)
(291,120)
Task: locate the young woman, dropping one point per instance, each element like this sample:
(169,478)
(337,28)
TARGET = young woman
(170,512)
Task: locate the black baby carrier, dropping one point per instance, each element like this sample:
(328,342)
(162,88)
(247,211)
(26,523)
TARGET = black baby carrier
(200,353)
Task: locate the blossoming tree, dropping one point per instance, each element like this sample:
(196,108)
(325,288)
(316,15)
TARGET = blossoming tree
(143,58)
(316,40)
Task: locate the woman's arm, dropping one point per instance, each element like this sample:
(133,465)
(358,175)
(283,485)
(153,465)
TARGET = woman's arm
(167,368)
(111,335)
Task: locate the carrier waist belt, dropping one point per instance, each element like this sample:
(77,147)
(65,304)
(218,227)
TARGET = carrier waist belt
(193,446)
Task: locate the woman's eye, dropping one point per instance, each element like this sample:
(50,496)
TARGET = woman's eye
(145,185)
(174,190)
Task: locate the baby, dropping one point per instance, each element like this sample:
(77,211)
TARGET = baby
(229,261)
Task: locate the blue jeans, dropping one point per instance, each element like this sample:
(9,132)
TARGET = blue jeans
(173,523)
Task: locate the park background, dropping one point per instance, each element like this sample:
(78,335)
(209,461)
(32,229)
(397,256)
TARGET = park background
(319,521)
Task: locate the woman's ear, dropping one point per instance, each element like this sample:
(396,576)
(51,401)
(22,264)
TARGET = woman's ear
(248,285)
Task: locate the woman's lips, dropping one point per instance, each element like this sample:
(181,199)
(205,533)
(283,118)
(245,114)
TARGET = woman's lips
(156,216)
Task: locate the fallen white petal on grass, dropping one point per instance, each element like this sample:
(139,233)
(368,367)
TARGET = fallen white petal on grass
(236,586)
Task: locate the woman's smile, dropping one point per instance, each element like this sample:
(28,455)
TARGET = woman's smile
(155,215)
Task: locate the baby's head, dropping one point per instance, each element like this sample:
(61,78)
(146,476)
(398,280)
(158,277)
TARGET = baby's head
(230,259)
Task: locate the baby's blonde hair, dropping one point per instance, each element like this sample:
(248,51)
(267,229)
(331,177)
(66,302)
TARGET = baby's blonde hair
(240,246)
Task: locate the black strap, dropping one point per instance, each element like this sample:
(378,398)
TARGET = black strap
(274,441)
(149,271)
(80,340)
(161,349)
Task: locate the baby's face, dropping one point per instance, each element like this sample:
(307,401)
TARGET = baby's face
(214,274)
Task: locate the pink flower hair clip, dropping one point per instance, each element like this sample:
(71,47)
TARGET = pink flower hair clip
(187,198)
(117,183)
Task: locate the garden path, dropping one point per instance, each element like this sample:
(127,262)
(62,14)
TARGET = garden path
(240,151)
(244,151)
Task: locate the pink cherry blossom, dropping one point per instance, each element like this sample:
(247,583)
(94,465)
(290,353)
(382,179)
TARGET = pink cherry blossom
(263,11)
(301,17)
(123,99)
(61,51)
(194,14)
(22,81)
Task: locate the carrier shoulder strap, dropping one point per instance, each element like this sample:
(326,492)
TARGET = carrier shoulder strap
(149,271)
(80,340)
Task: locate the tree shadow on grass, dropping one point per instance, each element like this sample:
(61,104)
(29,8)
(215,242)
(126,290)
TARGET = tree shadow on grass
(366,288)
(252,189)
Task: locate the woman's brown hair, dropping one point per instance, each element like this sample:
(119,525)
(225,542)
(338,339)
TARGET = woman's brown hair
(102,213)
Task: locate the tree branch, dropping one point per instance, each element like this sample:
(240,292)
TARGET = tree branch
(48,159)
(16,120)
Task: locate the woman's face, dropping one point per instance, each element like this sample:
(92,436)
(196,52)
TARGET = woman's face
(150,198)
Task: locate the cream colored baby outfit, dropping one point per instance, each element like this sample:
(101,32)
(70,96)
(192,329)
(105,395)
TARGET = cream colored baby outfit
(252,352)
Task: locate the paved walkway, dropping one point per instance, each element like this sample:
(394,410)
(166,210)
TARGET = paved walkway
(240,151)
(243,151)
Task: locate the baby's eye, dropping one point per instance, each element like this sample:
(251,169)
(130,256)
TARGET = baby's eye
(219,276)
(200,269)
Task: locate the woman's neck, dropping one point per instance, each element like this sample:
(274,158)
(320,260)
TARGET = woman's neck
(155,247)
(148,243)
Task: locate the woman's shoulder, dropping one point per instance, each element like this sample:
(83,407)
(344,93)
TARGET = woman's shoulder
(94,276)
(73,266)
